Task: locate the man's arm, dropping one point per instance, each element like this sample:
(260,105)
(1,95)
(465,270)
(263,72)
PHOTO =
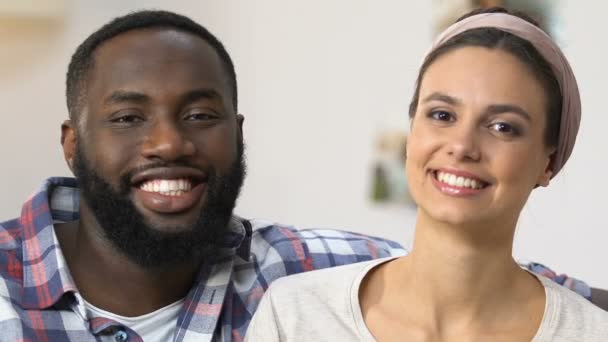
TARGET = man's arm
(284,250)
(599,297)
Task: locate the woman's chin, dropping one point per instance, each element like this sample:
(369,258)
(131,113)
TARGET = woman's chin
(456,216)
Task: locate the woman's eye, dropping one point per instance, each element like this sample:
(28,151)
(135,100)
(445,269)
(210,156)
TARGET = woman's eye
(442,116)
(504,128)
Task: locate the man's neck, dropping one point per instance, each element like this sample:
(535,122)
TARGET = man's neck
(109,280)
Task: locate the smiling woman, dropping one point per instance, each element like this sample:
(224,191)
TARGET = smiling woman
(494,115)
(480,120)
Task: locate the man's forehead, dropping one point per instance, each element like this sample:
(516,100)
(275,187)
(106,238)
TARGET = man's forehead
(153,38)
(158,55)
(150,44)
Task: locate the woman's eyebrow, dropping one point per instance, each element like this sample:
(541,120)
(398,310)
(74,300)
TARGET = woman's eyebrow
(438,96)
(509,108)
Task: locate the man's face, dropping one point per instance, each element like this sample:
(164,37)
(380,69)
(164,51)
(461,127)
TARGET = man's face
(159,146)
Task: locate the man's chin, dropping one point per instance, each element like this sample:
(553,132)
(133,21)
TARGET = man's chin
(169,224)
(161,244)
(179,219)
(170,230)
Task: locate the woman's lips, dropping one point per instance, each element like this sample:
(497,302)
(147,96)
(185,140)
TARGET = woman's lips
(454,184)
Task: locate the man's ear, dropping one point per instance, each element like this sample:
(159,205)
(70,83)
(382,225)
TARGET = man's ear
(239,121)
(68,141)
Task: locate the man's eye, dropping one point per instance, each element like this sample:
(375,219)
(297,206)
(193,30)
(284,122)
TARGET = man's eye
(199,117)
(441,115)
(127,119)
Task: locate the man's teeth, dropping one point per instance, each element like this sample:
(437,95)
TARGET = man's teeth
(458,181)
(167,187)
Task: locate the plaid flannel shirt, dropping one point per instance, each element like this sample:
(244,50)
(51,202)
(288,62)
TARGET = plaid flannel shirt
(39,300)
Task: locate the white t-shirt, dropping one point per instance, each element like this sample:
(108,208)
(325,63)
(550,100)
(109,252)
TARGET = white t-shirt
(157,326)
(324,306)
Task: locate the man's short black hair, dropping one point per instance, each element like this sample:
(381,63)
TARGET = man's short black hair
(82,60)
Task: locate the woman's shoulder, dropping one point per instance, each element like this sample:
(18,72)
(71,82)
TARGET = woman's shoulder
(328,289)
(311,306)
(571,316)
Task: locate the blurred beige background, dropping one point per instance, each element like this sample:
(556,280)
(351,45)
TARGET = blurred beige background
(318,79)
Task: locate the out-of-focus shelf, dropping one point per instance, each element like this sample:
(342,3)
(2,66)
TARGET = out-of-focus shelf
(32,9)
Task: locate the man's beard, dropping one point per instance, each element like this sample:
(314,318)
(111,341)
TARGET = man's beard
(127,230)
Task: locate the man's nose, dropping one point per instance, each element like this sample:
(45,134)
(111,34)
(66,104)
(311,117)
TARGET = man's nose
(166,141)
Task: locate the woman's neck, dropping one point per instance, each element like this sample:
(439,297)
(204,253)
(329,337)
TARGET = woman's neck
(457,279)
(461,262)
(446,277)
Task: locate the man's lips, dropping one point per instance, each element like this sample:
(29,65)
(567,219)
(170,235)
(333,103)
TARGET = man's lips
(168,173)
(169,190)
(173,203)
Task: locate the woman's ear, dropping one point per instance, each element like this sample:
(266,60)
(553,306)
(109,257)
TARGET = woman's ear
(545,177)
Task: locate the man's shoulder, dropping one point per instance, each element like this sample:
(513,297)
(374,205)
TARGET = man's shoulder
(11,276)
(11,269)
(14,321)
(310,249)
(10,234)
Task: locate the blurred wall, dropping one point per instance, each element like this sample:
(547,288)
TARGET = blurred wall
(317,80)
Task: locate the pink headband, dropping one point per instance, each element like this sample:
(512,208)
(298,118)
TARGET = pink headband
(571,100)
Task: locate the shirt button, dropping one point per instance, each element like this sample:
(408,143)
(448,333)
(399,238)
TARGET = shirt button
(121,336)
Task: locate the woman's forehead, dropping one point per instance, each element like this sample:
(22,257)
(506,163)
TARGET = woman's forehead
(481,75)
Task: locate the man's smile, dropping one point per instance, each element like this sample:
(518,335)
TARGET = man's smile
(169,190)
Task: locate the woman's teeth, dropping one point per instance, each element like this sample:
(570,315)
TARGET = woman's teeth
(167,187)
(459,181)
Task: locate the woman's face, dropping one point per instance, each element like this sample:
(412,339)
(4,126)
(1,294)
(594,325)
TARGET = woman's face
(476,148)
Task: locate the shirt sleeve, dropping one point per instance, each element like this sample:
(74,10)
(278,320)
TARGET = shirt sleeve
(264,326)
(285,250)
(573,284)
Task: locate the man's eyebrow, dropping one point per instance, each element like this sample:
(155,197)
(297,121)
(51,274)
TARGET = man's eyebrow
(119,96)
(203,93)
(508,108)
(437,96)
